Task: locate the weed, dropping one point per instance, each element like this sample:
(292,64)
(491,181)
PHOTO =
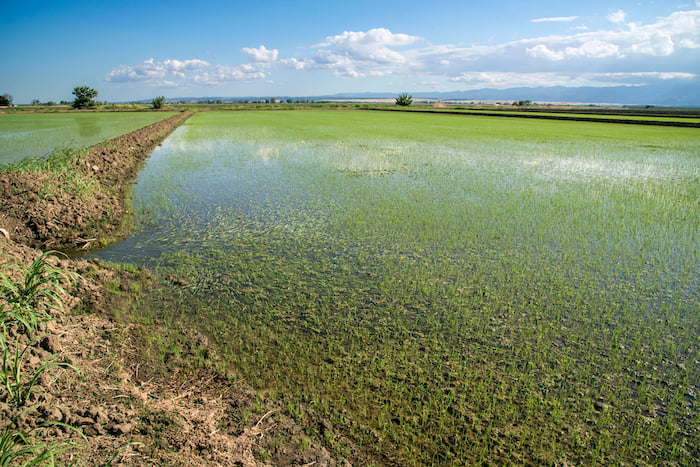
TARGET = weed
(18,385)
(31,297)
(17,449)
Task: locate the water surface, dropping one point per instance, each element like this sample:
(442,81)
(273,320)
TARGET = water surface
(377,265)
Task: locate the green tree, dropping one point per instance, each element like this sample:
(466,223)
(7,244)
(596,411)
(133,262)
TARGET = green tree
(6,100)
(158,102)
(36,102)
(404,100)
(84,96)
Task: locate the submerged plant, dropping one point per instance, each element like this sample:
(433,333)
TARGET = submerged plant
(439,291)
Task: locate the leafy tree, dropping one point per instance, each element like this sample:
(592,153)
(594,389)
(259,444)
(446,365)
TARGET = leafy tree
(158,102)
(36,102)
(404,100)
(6,100)
(84,97)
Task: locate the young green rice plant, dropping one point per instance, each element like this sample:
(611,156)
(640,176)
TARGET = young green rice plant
(17,449)
(41,285)
(425,281)
(17,384)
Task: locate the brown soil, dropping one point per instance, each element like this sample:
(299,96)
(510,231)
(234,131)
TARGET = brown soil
(41,210)
(124,404)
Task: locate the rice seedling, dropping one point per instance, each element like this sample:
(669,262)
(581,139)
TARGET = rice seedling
(18,385)
(16,448)
(39,290)
(36,136)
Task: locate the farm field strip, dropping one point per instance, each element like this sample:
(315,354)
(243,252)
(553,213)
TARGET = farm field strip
(592,117)
(444,290)
(659,118)
(36,135)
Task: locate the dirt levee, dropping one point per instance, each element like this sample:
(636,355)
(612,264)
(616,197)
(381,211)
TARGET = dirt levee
(83,205)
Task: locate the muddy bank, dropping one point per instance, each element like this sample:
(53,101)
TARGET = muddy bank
(130,398)
(84,204)
(139,392)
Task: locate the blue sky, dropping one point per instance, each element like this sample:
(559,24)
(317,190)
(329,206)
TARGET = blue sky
(139,49)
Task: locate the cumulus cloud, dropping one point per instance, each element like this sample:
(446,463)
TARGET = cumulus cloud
(357,54)
(590,49)
(152,70)
(504,80)
(373,45)
(382,52)
(680,30)
(261,54)
(221,74)
(617,17)
(555,19)
(567,59)
(542,51)
(176,73)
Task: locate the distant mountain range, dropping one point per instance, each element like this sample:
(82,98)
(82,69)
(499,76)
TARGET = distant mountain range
(685,95)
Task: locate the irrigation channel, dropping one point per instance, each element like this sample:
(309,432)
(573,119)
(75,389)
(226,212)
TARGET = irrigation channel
(444,289)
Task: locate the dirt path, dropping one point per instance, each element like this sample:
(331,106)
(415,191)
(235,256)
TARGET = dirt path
(125,402)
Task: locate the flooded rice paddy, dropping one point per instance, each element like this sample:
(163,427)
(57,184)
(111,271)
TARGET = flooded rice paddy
(442,289)
(36,135)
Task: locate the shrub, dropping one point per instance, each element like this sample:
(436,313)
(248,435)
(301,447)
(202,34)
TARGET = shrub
(158,102)
(404,100)
(84,97)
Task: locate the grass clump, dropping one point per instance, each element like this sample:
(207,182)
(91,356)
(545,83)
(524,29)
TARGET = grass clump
(31,298)
(27,302)
(17,449)
(65,178)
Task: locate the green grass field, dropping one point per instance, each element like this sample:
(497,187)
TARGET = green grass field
(443,290)
(36,135)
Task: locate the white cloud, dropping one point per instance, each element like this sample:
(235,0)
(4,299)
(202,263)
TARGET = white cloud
(593,49)
(221,74)
(648,74)
(175,73)
(617,17)
(187,65)
(296,64)
(657,44)
(372,46)
(357,54)
(542,51)
(555,19)
(504,80)
(680,30)
(567,59)
(152,70)
(381,52)
(261,54)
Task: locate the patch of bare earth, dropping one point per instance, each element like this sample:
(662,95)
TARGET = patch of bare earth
(121,405)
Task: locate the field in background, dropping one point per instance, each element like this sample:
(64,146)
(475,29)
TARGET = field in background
(36,135)
(442,289)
